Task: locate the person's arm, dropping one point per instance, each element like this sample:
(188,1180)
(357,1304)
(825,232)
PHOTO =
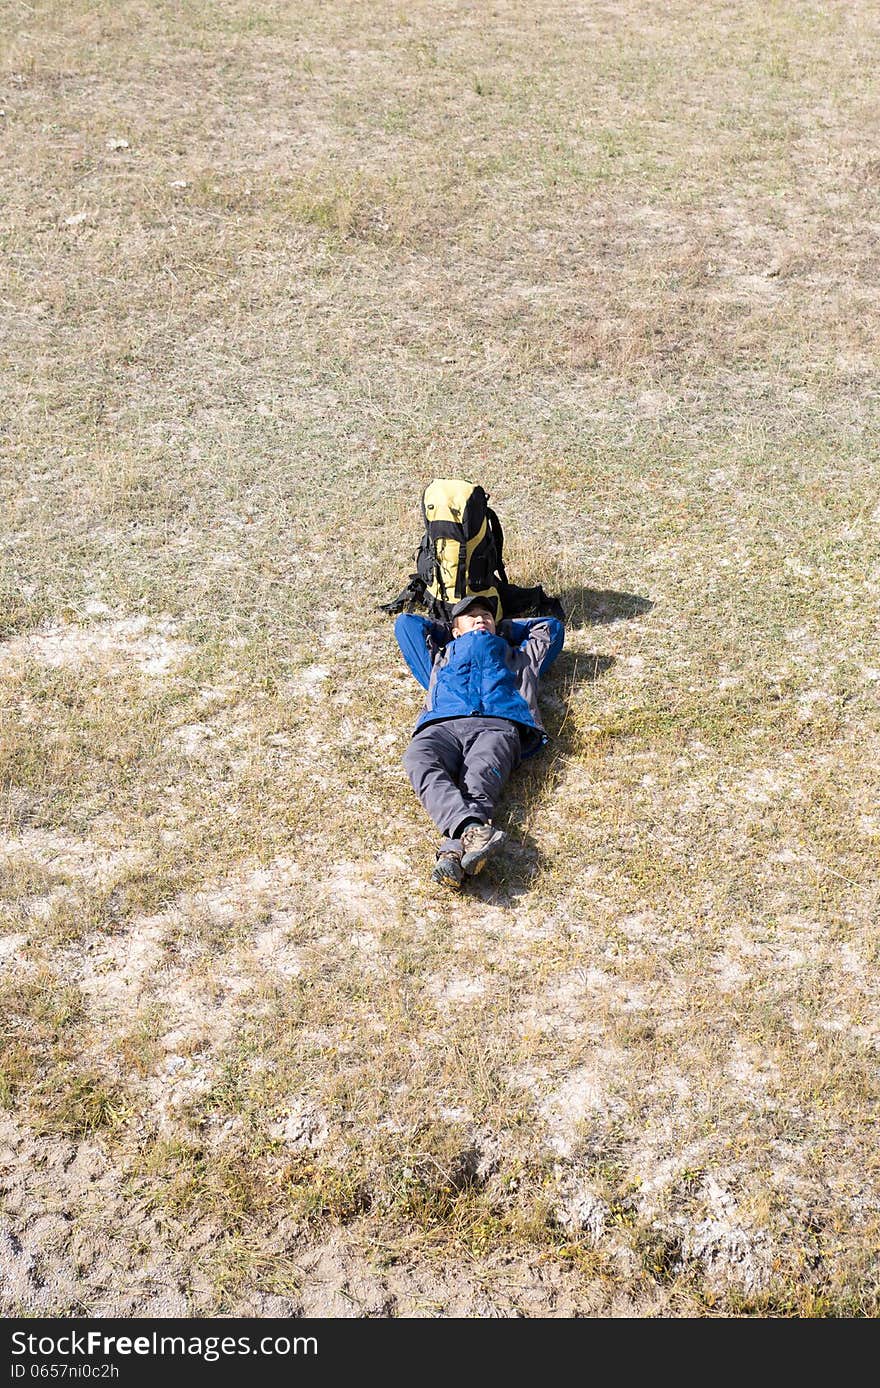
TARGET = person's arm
(419,641)
(539,639)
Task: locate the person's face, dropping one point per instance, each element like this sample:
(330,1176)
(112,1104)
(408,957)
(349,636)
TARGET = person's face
(477,618)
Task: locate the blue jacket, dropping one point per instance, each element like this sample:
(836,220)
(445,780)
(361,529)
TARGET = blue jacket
(478,674)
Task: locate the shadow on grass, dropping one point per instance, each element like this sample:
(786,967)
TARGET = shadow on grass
(511,876)
(589,607)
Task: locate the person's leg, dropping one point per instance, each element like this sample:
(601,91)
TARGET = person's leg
(433,762)
(490,753)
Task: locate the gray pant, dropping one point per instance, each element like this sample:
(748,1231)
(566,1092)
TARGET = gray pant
(458,769)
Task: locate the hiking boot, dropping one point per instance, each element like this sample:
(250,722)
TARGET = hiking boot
(479,842)
(447,871)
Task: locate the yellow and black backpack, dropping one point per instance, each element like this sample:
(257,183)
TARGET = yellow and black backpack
(462,553)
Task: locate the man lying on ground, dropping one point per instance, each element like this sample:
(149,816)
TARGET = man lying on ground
(480,719)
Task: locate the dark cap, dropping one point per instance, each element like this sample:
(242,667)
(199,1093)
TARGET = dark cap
(472,600)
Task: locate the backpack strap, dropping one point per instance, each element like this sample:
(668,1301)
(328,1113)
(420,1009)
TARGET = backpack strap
(498,536)
(461,573)
(413,593)
(448,530)
(444,597)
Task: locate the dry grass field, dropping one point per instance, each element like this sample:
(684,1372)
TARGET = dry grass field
(267,267)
